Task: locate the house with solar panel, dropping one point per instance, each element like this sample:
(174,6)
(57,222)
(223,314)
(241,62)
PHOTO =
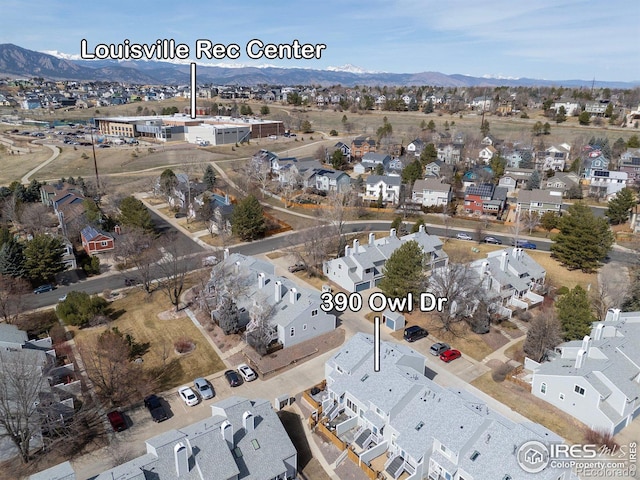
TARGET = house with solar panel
(485,198)
(362,266)
(96,241)
(630,163)
(595,379)
(398,421)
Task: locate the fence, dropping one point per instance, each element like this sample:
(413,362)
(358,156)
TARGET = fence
(369,472)
(329,436)
(513,378)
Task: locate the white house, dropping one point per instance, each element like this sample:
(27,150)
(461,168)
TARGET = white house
(362,266)
(431,193)
(606,184)
(487,153)
(387,186)
(398,418)
(416,147)
(596,379)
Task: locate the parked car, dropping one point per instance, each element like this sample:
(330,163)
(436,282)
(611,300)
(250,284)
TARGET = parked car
(492,240)
(129,282)
(117,421)
(157,411)
(297,267)
(248,375)
(232,378)
(413,333)
(204,388)
(188,395)
(438,348)
(526,244)
(62,298)
(43,288)
(449,355)
(463,236)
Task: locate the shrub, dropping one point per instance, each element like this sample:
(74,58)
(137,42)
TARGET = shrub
(79,308)
(500,373)
(333,133)
(183,345)
(600,438)
(562,290)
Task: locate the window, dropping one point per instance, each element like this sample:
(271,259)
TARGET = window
(561,396)
(104,243)
(543,388)
(292,332)
(579,390)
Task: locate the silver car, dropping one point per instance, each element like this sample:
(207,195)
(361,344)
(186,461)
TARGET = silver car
(204,388)
(463,236)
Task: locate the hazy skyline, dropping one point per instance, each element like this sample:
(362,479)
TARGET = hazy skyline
(546,39)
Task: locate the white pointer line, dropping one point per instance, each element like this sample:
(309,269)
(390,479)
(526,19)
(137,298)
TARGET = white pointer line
(376,344)
(193,90)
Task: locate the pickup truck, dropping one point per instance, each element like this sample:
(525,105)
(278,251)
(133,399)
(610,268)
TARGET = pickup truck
(157,411)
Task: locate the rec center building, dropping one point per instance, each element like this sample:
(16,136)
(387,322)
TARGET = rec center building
(215,130)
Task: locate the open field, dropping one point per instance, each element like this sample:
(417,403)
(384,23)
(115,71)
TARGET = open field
(13,167)
(138,316)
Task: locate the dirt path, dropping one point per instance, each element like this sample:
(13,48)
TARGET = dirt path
(55,151)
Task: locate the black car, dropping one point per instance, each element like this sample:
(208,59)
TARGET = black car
(157,411)
(411,334)
(232,377)
(492,240)
(43,288)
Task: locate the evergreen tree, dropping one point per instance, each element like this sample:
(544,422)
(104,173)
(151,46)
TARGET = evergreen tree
(264,110)
(412,172)
(397,223)
(228,316)
(79,308)
(534,181)
(379,170)
(584,240)
(168,181)
(43,258)
(584,118)
(484,128)
(12,258)
(633,142)
(549,220)
(561,115)
(428,108)
(497,164)
(209,177)
(247,220)
(404,271)
(32,193)
(574,313)
(527,160)
(620,205)
(546,128)
(5,235)
(417,225)
(431,126)
(428,154)
(133,213)
(631,302)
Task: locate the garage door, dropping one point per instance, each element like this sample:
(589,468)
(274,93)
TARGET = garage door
(362,286)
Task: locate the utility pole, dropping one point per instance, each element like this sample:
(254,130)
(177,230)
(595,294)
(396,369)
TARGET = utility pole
(95,162)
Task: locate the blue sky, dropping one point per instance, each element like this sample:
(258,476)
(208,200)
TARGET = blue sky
(546,39)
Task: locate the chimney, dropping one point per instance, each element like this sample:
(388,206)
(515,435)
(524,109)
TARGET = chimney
(392,232)
(226,199)
(293,295)
(248,422)
(580,358)
(226,253)
(503,261)
(181,455)
(598,331)
(586,344)
(615,314)
(346,250)
(237,264)
(372,238)
(422,229)
(227,433)
(356,244)
(261,280)
(485,267)
(278,296)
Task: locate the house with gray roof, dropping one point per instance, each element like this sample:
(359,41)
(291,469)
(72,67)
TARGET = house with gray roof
(370,161)
(539,201)
(431,192)
(596,379)
(293,311)
(386,187)
(362,266)
(513,276)
(327,180)
(242,439)
(562,182)
(399,418)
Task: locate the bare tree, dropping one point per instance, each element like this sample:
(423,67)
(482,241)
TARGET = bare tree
(11,210)
(258,172)
(260,333)
(138,250)
(479,231)
(545,332)
(340,210)
(531,220)
(37,218)
(313,247)
(12,297)
(22,384)
(462,287)
(174,271)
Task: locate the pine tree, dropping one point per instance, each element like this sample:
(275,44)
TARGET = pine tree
(584,240)
(431,126)
(619,206)
(209,177)
(12,259)
(404,271)
(43,257)
(412,172)
(416,226)
(397,224)
(428,154)
(379,170)
(247,220)
(534,181)
(574,313)
(133,213)
(227,315)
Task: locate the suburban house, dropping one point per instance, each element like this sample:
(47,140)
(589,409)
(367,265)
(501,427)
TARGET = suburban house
(476,175)
(508,182)
(487,153)
(49,192)
(449,153)
(291,171)
(345,149)
(539,201)
(222,210)
(562,182)
(490,140)
(95,241)
(416,147)
(295,315)
(264,159)
(361,145)
(513,276)
(630,163)
(362,266)
(242,438)
(554,158)
(383,186)
(595,379)
(605,183)
(594,162)
(431,192)
(327,180)
(436,169)
(370,161)
(485,198)
(398,421)
(520,175)
(570,108)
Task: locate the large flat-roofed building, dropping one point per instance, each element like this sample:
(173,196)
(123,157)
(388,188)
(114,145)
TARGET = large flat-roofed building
(216,130)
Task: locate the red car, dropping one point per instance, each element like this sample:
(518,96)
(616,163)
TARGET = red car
(117,421)
(449,355)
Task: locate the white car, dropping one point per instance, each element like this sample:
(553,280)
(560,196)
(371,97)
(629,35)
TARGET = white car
(247,372)
(188,395)
(463,236)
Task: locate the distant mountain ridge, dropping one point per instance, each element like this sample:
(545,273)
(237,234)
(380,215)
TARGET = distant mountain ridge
(16,61)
